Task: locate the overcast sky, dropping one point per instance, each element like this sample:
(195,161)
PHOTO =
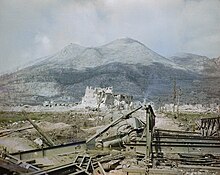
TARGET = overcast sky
(30,29)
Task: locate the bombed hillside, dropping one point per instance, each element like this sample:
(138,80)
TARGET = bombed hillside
(124,64)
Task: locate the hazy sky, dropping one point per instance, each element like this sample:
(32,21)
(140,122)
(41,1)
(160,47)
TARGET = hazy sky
(30,29)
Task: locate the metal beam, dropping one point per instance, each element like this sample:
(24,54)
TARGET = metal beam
(50,151)
(47,140)
(112,124)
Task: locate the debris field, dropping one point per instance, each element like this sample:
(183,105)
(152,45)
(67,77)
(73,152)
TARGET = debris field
(137,141)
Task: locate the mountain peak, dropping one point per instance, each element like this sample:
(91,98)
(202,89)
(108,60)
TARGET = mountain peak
(125,41)
(123,50)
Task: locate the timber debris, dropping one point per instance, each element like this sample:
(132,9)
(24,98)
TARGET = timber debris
(127,145)
(47,140)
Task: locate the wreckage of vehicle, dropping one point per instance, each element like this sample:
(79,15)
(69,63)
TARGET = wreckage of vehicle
(129,145)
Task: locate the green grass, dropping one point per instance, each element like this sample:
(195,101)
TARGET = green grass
(11,117)
(66,117)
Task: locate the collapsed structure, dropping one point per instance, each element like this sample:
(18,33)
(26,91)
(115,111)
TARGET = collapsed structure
(105,98)
(134,146)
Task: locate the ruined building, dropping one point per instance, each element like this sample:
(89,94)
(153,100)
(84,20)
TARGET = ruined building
(105,98)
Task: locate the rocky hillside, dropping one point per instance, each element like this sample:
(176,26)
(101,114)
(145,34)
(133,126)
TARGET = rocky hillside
(124,50)
(126,64)
(197,63)
(209,71)
(190,61)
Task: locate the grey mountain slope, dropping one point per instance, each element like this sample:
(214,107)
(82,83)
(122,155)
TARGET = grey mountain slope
(190,61)
(212,67)
(132,52)
(124,50)
(126,64)
(197,63)
(151,82)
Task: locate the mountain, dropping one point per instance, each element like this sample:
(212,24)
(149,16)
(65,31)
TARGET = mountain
(209,71)
(212,67)
(211,79)
(198,63)
(124,50)
(125,64)
(190,61)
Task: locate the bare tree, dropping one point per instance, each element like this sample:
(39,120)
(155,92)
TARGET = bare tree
(174,94)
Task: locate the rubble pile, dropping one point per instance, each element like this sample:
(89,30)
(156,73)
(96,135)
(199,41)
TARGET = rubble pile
(126,145)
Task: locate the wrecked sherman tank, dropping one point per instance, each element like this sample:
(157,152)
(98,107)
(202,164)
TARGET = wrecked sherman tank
(122,130)
(157,151)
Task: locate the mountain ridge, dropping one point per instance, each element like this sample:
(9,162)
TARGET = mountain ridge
(123,50)
(126,64)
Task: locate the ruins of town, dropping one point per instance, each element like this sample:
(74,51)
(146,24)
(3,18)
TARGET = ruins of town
(110,133)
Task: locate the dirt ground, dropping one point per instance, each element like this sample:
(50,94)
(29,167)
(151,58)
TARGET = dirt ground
(61,128)
(66,127)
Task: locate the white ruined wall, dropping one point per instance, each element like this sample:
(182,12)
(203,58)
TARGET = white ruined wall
(90,97)
(104,98)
